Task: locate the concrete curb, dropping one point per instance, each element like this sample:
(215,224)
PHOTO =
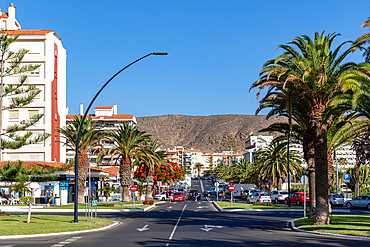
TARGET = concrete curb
(24,209)
(58,233)
(262,210)
(327,234)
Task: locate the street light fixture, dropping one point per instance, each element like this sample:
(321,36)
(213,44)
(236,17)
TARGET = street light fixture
(83,120)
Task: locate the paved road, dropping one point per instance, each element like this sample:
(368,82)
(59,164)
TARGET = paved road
(193,223)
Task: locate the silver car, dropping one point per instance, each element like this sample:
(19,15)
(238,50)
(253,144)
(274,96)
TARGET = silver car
(278,196)
(260,196)
(336,199)
(360,201)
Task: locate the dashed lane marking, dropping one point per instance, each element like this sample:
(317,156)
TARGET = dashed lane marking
(67,241)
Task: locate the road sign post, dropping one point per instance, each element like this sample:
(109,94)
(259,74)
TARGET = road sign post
(231,189)
(216,185)
(346,180)
(133,188)
(304,180)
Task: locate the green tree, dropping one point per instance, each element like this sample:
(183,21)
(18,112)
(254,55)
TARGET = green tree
(107,190)
(29,201)
(241,171)
(19,95)
(313,74)
(89,138)
(198,166)
(272,163)
(128,144)
(365,40)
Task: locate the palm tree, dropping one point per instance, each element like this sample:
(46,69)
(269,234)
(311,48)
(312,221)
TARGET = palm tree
(198,166)
(241,171)
(107,190)
(89,138)
(365,40)
(272,163)
(312,74)
(128,144)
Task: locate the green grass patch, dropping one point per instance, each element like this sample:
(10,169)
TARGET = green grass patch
(227,205)
(119,205)
(356,225)
(15,224)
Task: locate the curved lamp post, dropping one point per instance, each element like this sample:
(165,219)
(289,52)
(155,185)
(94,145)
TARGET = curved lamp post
(83,120)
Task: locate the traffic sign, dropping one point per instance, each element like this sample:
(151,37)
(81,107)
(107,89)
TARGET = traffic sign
(304,179)
(105,178)
(217,184)
(346,178)
(231,188)
(100,179)
(94,203)
(133,188)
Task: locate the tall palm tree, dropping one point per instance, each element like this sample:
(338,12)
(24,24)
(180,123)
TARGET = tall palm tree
(312,73)
(128,144)
(365,40)
(272,163)
(241,171)
(89,138)
(198,166)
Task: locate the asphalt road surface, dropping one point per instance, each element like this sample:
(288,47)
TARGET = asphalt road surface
(193,223)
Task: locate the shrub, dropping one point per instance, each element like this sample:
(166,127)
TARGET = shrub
(2,212)
(150,202)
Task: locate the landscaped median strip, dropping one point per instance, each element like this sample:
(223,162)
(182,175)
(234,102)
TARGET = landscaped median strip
(339,222)
(239,207)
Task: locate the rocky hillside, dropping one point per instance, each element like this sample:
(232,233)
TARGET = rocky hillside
(208,133)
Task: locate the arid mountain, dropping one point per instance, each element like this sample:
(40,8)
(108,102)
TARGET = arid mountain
(208,133)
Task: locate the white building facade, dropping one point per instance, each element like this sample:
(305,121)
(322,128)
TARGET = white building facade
(46,49)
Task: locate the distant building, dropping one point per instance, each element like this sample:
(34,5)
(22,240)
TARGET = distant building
(255,142)
(46,49)
(107,118)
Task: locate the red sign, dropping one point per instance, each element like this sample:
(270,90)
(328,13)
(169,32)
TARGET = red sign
(133,188)
(231,188)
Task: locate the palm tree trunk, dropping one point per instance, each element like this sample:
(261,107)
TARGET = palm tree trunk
(322,216)
(149,194)
(83,168)
(309,156)
(125,173)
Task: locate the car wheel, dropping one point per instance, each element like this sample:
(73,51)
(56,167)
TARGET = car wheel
(209,194)
(349,205)
(298,203)
(162,199)
(368,206)
(248,201)
(276,201)
(286,202)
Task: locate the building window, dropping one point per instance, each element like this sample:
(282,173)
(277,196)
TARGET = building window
(33,113)
(13,114)
(34,158)
(13,157)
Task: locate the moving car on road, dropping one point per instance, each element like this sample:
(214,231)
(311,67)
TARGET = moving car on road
(212,192)
(178,197)
(278,196)
(360,201)
(260,196)
(336,200)
(297,198)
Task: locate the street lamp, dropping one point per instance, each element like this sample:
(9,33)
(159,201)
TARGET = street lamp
(83,120)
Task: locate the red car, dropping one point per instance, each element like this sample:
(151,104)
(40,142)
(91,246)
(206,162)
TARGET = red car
(297,198)
(178,197)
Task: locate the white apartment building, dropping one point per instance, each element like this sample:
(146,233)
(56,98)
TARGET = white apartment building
(255,142)
(46,49)
(346,158)
(107,118)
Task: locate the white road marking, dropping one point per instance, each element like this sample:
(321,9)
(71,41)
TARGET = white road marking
(174,229)
(57,245)
(143,229)
(169,207)
(213,226)
(206,228)
(202,207)
(67,241)
(201,185)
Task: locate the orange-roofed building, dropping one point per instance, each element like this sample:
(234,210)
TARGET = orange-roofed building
(45,49)
(107,118)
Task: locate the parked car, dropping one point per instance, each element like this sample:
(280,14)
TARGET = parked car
(260,196)
(240,188)
(191,195)
(247,193)
(336,199)
(178,197)
(278,196)
(212,192)
(297,198)
(161,196)
(360,201)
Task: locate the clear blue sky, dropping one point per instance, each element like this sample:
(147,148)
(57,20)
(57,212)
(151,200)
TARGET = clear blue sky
(216,48)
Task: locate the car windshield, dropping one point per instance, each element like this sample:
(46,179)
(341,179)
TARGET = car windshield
(336,196)
(264,194)
(177,194)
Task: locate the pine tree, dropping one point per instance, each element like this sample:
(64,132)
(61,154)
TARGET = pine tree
(19,94)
